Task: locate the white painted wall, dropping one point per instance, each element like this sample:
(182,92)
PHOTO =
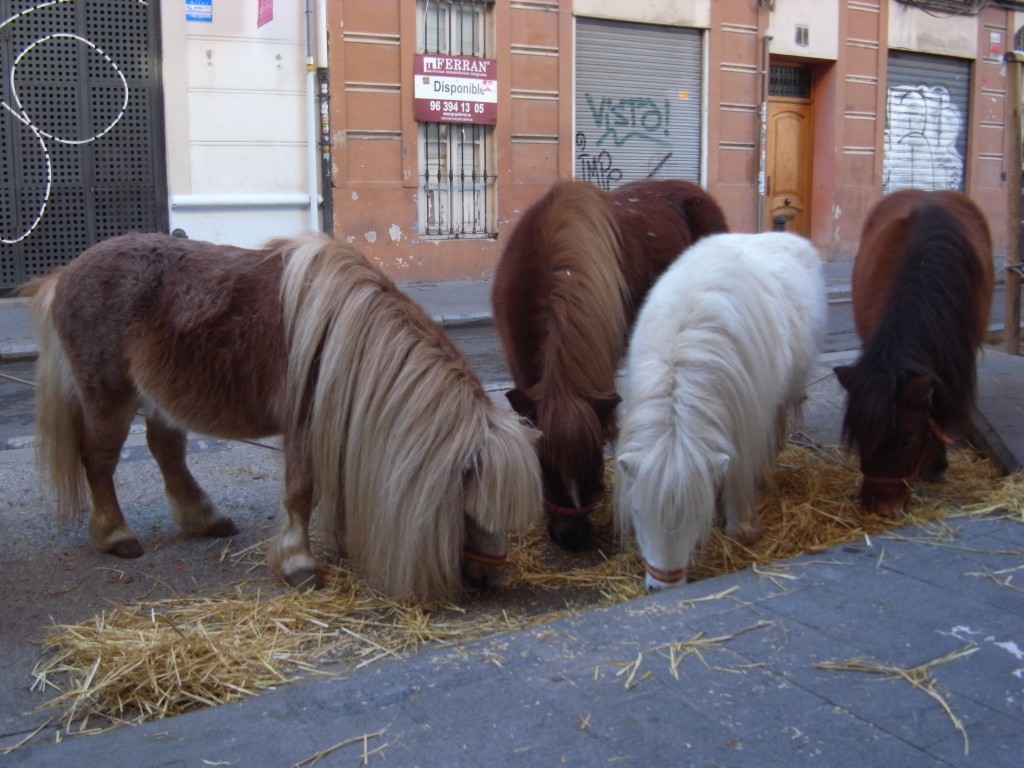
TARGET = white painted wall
(236,115)
(821,20)
(696,13)
(912,29)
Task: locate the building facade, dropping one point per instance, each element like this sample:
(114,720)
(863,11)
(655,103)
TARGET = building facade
(420,130)
(796,109)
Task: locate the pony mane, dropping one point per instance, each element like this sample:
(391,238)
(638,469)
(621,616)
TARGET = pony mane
(922,330)
(585,296)
(586,293)
(399,426)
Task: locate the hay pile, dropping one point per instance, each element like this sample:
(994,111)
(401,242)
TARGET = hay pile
(162,658)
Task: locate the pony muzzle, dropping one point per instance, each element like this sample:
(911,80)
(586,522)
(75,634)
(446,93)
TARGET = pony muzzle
(482,569)
(661,578)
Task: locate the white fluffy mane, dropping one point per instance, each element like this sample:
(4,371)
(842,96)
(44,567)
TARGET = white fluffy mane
(720,353)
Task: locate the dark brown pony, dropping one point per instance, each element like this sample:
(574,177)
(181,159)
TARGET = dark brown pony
(414,472)
(922,290)
(566,290)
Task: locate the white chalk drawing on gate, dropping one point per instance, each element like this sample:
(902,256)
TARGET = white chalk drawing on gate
(922,128)
(18,111)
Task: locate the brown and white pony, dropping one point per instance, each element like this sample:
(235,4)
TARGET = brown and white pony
(566,290)
(922,291)
(415,473)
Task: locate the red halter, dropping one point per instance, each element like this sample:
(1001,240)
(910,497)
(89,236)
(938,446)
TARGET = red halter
(941,436)
(482,558)
(569,511)
(673,576)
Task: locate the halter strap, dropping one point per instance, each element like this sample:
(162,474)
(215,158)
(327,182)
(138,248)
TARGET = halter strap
(939,434)
(483,558)
(673,576)
(569,511)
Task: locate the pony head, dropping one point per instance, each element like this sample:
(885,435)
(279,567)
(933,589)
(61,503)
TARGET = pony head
(501,492)
(669,502)
(571,454)
(896,434)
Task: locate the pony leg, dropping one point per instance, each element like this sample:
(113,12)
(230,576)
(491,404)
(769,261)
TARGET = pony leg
(741,520)
(191,508)
(102,439)
(289,553)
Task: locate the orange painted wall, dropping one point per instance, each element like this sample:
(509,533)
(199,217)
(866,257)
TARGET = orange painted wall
(374,135)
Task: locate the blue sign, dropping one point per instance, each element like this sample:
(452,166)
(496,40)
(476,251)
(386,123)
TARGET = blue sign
(199,10)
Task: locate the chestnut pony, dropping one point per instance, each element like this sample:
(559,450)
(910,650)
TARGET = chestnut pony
(566,291)
(414,472)
(922,290)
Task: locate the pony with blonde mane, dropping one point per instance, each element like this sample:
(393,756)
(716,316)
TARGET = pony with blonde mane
(566,290)
(716,367)
(415,474)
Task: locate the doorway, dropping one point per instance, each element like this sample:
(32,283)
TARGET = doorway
(789,149)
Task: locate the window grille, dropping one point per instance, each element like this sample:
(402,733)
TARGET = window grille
(789,81)
(457,160)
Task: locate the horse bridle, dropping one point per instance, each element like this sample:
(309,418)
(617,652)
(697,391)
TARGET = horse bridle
(558,509)
(673,576)
(483,558)
(939,434)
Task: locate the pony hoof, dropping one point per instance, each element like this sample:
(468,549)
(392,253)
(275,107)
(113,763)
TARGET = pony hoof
(126,548)
(305,579)
(222,527)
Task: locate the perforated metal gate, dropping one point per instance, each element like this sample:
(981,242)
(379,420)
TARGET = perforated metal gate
(81,129)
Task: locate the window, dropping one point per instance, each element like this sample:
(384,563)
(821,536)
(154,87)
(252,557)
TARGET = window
(457,160)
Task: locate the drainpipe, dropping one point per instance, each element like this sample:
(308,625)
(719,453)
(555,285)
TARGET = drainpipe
(762,159)
(324,124)
(1011,287)
(312,125)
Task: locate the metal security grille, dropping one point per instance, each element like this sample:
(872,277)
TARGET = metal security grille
(926,121)
(638,102)
(456,159)
(789,81)
(80,130)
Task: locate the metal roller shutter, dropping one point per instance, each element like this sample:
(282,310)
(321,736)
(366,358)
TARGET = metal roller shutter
(638,102)
(926,119)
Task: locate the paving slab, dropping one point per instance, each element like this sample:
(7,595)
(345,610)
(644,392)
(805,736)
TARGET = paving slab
(557,694)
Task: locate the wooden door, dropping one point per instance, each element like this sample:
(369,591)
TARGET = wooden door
(788,164)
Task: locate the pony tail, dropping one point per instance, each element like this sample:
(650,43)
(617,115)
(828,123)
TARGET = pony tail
(58,410)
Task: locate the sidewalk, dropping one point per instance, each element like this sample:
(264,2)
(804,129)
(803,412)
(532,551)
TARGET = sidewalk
(553,695)
(455,303)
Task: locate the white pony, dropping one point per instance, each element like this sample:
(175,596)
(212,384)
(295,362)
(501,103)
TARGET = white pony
(717,363)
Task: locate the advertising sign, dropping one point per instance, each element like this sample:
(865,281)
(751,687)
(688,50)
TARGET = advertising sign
(199,10)
(455,89)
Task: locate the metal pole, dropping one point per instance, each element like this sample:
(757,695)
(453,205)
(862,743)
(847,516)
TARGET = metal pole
(762,163)
(1011,299)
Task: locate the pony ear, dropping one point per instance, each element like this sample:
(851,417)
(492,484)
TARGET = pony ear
(917,391)
(522,403)
(844,373)
(603,406)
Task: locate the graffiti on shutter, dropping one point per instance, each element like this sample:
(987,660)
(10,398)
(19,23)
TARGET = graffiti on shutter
(923,126)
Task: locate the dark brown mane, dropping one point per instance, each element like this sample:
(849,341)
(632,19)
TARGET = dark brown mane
(922,290)
(566,290)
